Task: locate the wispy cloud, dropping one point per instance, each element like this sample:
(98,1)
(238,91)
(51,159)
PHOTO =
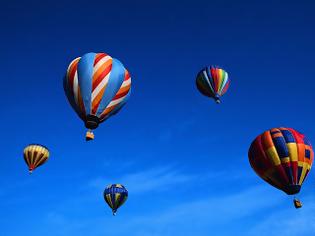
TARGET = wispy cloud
(205,216)
(289,221)
(201,216)
(207,213)
(158,179)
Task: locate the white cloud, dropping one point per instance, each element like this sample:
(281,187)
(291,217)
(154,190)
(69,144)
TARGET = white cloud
(289,221)
(215,215)
(158,179)
(201,216)
(234,212)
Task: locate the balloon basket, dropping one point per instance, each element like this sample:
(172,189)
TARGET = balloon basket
(89,136)
(297,203)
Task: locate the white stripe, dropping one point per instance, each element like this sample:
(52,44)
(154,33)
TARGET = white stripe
(100,63)
(226,76)
(115,102)
(111,104)
(125,83)
(208,81)
(100,87)
(71,64)
(75,87)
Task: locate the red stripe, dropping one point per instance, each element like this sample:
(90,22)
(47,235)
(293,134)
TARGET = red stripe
(214,74)
(287,167)
(98,57)
(120,95)
(294,165)
(226,87)
(257,157)
(299,138)
(94,109)
(282,176)
(127,75)
(72,71)
(99,79)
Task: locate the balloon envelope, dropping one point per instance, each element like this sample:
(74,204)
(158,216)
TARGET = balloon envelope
(115,196)
(282,157)
(35,155)
(97,86)
(213,82)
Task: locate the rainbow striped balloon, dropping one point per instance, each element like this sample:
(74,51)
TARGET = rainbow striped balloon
(213,82)
(97,86)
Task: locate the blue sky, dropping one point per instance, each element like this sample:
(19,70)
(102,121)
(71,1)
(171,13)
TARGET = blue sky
(182,157)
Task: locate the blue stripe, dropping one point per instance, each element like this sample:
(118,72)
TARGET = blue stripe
(122,199)
(307,154)
(281,147)
(289,173)
(288,136)
(112,196)
(116,78)
(299,173)
(224,81)
(119,106)
(210,79)
(85,73)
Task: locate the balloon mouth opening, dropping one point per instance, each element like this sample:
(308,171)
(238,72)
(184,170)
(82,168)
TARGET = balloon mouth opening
(217,99)
(30,170)
(92,122)
(293,189)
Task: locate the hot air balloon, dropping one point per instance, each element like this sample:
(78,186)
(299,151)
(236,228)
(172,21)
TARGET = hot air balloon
(35,155)
(115,196)
(282,157)
(213,82)
(97,86)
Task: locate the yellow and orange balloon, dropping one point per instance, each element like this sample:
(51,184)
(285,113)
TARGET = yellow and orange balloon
(35,155)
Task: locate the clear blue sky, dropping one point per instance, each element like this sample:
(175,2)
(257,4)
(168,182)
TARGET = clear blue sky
(182,157)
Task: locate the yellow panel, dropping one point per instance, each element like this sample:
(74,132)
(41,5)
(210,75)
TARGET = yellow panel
(117,198)
(303,174)
(285,159)
(292,151)
(301,163)
(273,155)
(109,200)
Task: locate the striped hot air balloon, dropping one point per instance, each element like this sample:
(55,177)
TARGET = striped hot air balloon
(97,87)
(115,196)
(282,157)
(35,155)
(213,82)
